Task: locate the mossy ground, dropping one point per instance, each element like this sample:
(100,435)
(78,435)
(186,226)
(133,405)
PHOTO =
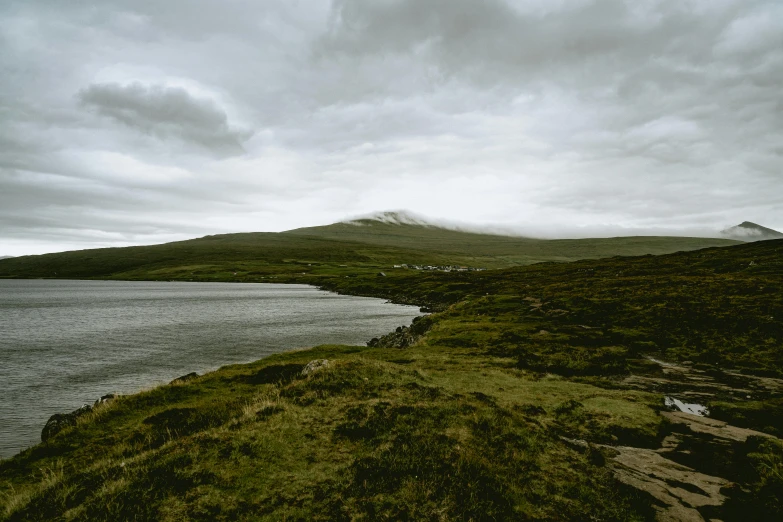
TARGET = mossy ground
(418,433)
(467,424)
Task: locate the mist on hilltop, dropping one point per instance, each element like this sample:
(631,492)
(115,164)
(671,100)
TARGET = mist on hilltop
(539,230)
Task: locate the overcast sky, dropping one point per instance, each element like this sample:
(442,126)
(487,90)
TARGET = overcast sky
(144,121)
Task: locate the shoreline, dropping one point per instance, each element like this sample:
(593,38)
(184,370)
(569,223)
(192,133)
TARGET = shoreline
(158,378)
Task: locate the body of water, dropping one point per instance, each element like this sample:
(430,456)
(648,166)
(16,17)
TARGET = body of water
(66,343)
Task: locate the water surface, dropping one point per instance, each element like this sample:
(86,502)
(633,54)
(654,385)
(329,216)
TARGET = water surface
(65,343)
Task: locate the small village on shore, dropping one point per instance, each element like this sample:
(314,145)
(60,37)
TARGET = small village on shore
(441,268)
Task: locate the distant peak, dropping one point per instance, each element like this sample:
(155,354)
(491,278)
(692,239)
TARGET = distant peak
(749,231)
(406,217)
(392,217)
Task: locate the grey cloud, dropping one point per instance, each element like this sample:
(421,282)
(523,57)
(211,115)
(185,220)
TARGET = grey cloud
(166,112)
(626,65)
(630,47)
(580,113)
(492,41)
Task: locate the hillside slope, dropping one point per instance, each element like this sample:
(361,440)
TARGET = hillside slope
(497,250)
(362,245)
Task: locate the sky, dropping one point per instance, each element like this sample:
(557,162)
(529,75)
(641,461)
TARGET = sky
(138,121)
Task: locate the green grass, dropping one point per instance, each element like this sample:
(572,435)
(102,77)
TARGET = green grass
(495,251)
(337,250)
(718,307)
(466,422)
(366,438)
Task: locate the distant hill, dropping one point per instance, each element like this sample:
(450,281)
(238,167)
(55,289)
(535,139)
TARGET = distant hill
(748,231)
(493,250)
(6,257)
(336,250)
(395,217)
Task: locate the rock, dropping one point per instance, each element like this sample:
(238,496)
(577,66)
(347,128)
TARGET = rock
(185,378)
(679,491)
(578,444)
(314,366)
(106,398)
(712,427)
(60,421)
(684,476)
(675,404)
(403,336)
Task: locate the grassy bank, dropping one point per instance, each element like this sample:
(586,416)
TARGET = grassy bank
(418,433)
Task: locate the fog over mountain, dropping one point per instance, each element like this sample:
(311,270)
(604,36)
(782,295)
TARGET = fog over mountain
(136,122)
(747,231)
(537,229)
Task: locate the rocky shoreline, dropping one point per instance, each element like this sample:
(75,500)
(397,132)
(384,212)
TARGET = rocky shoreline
(60,421)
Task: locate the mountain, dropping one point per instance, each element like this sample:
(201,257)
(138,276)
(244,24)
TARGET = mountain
(493,247)
(341,249)
(395,217)
(748,231)
(6,257)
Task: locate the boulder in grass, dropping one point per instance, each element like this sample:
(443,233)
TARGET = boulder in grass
(185,378)
(105,399)
(314,366)
(59,421)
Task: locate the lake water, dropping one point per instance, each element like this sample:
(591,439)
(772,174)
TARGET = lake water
(65,343)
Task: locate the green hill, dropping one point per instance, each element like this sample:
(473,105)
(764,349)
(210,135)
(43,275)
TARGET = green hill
(337,249)
(497,250)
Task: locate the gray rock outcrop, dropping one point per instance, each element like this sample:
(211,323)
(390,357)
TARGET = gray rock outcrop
(59,421)
(314,366)
(403,336)
(185,378)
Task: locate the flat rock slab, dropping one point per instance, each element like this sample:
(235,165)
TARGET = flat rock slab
(713,427)
(685,381)
(682,493)
(678,490)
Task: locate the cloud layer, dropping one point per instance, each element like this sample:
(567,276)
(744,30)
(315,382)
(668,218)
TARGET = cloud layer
(165,112)
(130,122)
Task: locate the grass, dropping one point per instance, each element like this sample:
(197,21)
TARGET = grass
(462,416)
(337,250)
(363,438)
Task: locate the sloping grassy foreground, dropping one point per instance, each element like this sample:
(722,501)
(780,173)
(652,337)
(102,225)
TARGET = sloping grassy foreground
(463,416)
(419,433)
